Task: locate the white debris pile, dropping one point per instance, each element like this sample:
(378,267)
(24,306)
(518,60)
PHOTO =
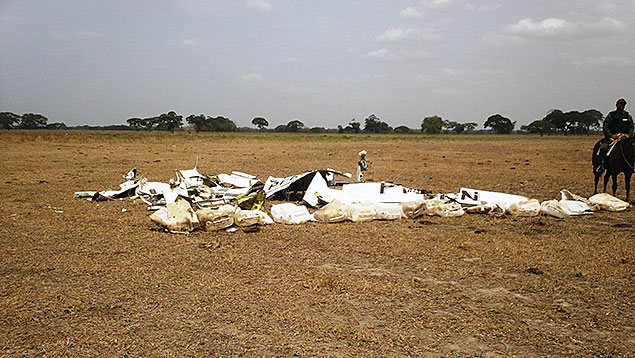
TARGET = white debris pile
(193,201)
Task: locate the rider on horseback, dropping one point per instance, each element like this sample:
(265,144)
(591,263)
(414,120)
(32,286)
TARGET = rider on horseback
(617,124)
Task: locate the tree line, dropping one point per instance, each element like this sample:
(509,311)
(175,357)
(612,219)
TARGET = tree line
(555,122)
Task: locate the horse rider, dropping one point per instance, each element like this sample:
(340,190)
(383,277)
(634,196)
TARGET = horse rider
(617,124)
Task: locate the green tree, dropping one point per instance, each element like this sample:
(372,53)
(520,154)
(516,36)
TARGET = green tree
(136,123)
(198,121)
(169,121)
(281,128)
(540,126)
(557,118)
(470,126)
(9,120)
(372,124)
(500,124)
(355,125)
(432,125)
(402,129)
(33,121)
(294,126)
(56,126)
(260,122)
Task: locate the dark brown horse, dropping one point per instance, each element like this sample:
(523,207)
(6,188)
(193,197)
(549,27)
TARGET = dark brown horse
(620,160)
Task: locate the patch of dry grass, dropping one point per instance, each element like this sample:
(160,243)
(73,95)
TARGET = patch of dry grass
(95,281)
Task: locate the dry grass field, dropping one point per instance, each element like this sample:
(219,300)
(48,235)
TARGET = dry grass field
(95,281)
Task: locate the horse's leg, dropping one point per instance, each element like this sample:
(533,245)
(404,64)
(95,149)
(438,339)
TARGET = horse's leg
(597,179)
(606,181)
(614,176)
(627,185)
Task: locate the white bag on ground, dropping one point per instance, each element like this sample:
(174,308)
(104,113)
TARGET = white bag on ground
(413,209)
(525,208)
(332,212)
(221,218)
(388,211)
(176,217)
(439,208)
(360,213)
(251,217)
(289,213)
(609,202)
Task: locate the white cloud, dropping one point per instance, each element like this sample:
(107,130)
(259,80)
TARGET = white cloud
(411,13)
(397,34)
(253,77)
(191,42)
(606,61)
(562,29)
(384,54)
(260,5)
(381,54)
(435,4)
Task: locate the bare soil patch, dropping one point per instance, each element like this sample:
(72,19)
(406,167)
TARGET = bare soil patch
(93,280)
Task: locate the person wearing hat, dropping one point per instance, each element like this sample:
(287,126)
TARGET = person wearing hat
(617,124)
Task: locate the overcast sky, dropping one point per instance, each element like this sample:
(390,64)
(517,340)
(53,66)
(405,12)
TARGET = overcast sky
(322,62)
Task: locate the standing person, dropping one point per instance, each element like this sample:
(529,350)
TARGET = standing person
(617,124)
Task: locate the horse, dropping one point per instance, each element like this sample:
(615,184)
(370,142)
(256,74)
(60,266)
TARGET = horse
(620,160)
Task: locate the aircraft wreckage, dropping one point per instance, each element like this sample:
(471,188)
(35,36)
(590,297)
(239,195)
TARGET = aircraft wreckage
(193,201)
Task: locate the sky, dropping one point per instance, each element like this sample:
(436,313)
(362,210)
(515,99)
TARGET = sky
(321,62)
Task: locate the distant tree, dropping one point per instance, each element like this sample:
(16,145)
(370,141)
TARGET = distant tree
(260,122)
(500,124)
(198,121)
(281,128)
(33,121)
(169,121)
(372,124)
(340,129)
(318,130)
(470,126)
(136,123)
(294,126)
(540,126)
(355,126)
(432,125)
(204,123)
(586,121)
(222,124)
(402,129)
(9,120)
(56,125)
(557,118)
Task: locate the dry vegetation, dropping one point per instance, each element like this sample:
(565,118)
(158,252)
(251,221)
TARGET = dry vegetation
(95,281)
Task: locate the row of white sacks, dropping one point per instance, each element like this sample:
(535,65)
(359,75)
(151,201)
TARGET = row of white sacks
(181,217)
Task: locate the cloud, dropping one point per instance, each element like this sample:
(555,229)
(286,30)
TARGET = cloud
(562,29)
(260,5)
(411,13)
(397,34)
(384,54)
(191,42)
(250,77)
(606,61)
(436,4)
(381,54)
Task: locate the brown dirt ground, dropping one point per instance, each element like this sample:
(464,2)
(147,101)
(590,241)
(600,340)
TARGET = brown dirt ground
(95,281)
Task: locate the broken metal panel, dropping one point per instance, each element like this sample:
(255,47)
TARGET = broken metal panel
(473,197)
(382,192)
(318,193)
(237,180)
